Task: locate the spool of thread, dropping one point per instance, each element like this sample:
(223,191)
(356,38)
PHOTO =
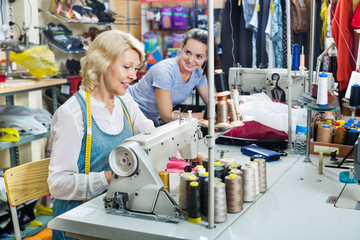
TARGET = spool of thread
(249,188)
(221,83)
(322,93)
(316,125)
(222,113)
(234,200)
(235,96)
(241,174)
(220,206)
(302,61)
(227,162)
(193,207)
(204,208)
(355,95)
(202,178)
(296,58)
(205,163)
(339,135)
(164,176)
(182,189)
(233,117)
(314,90)
(189,180)
(351,136)
(235,165)
(341,122)
(262,174)
(199,169)
(219,172)
(255,165)
(348,125)
(324,134)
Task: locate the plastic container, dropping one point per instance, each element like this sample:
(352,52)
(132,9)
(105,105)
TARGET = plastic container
(300,136)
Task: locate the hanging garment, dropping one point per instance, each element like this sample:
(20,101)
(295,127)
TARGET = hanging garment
(323,16)
(269,43)
(254,25)
(277,33)
(262,60)
(343,35)
(235,38)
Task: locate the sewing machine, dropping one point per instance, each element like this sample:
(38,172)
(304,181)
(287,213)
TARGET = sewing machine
(254,80)
(136,188)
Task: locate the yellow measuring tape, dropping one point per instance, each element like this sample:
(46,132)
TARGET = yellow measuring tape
(88,133)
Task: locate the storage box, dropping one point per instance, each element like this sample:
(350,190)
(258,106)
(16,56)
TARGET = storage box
(327,148)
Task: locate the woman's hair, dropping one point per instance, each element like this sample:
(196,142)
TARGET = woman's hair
(202,36)
(104,51)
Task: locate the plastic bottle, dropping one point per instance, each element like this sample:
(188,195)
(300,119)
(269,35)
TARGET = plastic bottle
(300,136)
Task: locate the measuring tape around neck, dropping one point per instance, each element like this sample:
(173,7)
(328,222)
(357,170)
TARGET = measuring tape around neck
(88,133)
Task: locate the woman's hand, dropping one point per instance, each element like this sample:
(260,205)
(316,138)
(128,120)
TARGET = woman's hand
(108,176)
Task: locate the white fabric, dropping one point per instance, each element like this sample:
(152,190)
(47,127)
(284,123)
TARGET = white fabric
(261,108)
(68,120)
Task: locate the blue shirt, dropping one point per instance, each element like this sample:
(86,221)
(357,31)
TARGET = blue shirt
(164,75)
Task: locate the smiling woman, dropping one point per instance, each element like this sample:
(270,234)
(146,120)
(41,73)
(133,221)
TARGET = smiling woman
(171,81)
(95,120)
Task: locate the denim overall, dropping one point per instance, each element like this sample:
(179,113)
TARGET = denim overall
(101,146)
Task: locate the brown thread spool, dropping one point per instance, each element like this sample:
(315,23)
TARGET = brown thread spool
(340,135)
(164,176)
(232,110)
(221,113)
(316,125)
(182,189)
(262,174)
(234,200)
(324,134)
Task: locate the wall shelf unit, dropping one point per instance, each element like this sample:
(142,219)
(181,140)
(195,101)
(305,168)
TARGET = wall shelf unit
(12,87)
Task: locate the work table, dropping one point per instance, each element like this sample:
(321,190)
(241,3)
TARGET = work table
(294,207)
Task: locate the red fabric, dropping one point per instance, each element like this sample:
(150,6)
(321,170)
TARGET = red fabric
(177,166)
(255,130)
(343,35)
(355,23)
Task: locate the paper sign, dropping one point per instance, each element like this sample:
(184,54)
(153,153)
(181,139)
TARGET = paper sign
(354,79)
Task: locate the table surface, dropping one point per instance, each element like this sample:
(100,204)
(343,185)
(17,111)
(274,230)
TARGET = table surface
(19,85)
(294,207)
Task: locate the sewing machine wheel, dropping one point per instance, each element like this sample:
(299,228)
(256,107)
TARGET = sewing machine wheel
(123,162)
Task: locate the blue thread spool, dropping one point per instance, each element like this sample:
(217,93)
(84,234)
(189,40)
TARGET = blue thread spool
(296,58)
(351,136)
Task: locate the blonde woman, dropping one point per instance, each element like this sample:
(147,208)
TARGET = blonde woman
(110,65)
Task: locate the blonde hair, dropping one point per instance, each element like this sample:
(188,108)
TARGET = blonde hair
(104,51)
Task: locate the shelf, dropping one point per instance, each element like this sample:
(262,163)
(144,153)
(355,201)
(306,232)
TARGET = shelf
(23,140)
(11,87)
(68,52)
(87,22)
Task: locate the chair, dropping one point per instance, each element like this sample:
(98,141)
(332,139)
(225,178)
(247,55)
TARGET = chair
(24,183)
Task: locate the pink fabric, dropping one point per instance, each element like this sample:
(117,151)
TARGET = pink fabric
(255,130)
(177,166)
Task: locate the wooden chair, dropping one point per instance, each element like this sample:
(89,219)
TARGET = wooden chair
(24,183)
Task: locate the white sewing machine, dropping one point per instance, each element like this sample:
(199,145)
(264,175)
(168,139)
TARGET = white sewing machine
(136,188)
(254,80)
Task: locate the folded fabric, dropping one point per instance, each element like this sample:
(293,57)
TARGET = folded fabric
(177,166)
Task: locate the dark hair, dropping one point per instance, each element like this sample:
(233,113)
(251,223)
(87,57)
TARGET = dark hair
(202,36)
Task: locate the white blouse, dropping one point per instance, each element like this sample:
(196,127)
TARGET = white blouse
(65,181)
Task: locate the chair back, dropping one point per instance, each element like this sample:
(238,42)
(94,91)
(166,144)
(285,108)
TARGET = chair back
(27,182)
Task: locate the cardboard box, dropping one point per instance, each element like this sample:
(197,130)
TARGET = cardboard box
(327,148)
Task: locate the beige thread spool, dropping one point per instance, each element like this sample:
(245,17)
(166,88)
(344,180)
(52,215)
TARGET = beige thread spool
(324,134)
(340,135)
(262,174)
(234,200)
(222,114)
(220,213)
(164,176)
(182,189)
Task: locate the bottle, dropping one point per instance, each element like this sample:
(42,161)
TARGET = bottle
(300,136)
